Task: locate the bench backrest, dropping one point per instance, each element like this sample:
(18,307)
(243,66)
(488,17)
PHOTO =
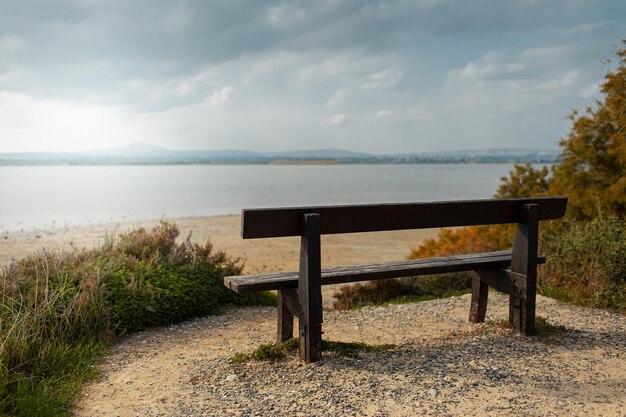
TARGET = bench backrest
(279,222)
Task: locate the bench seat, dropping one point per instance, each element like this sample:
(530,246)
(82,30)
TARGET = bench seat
(414,267)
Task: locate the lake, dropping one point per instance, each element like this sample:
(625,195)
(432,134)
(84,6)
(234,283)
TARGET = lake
(49,197)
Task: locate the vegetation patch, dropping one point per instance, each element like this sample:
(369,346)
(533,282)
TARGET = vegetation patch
(406,299)
(411,298)
(59,311)
(273,352)
(352,349)
(588,265)
(544,331)
(548,331)
(401,291)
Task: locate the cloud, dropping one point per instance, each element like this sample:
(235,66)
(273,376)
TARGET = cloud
(559,83)
(10,42)
(550,53)
(590,91)
(263,74)
(220,96)
(338,119)
(338,97)
(583,28)
(515,80)
(382,79)
(157,41)
(330,66)
(491,66)
(156,95)
(285,13)
(268,64)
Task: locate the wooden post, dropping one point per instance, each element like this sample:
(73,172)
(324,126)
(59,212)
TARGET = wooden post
(285,320)
(478,306)
(524,261)
(310,289)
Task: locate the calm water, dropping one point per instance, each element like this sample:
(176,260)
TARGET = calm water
(59,196)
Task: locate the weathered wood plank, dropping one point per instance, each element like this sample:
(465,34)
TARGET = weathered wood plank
(291,300)
(277,222)
(414,267)
(285,318)
(478,305)
(507,282)
(310,290)
(524,261)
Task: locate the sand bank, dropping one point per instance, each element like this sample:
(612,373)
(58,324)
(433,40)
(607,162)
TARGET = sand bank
(224,232)
(259,255)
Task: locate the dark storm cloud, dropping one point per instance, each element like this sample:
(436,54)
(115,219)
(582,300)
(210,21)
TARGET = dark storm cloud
(326,73)
(72,47)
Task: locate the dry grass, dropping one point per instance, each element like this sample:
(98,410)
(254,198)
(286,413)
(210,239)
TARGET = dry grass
(59,311)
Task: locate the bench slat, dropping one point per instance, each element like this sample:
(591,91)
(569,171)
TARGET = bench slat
(344,274)
(278,222)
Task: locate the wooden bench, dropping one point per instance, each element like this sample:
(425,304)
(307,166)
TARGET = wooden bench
(299,293)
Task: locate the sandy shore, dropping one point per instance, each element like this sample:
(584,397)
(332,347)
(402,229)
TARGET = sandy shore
(224,232)
(259,255)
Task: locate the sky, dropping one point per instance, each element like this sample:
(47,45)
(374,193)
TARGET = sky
(372,76)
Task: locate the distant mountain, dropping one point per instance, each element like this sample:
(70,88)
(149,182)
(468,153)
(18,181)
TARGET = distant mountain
(142,153)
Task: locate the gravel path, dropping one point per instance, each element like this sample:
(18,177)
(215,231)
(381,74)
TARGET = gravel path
(442,365)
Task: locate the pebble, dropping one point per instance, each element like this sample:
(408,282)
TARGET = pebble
(461,369)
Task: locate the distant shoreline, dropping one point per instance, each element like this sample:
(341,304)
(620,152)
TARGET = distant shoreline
(273,162)
(143,153)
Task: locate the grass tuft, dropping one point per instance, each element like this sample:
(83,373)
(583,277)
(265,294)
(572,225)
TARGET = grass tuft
(544,331)
(273,352)
(547,332)
(352,349)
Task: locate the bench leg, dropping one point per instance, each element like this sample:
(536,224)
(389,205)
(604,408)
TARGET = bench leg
(524,261)
(310,290)
(522,315)
(285,320)
(478,307)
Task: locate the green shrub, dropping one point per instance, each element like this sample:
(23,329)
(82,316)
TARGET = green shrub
(160,294)
(58,311)
(587,264)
